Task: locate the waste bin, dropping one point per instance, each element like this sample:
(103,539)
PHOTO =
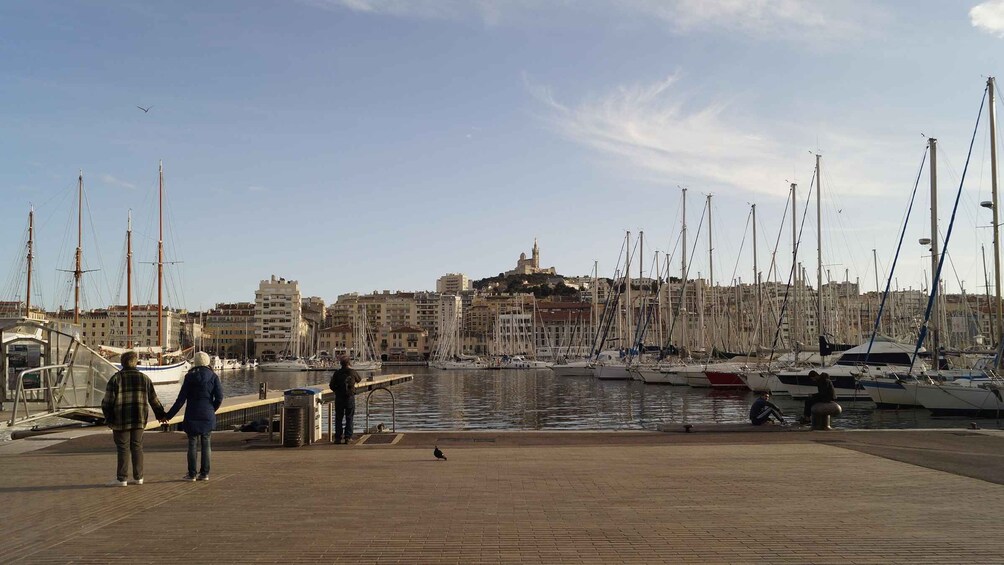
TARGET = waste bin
(293,426)
(308,401)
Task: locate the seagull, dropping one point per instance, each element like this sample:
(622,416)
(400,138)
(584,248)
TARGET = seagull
(145,110)
(438,453)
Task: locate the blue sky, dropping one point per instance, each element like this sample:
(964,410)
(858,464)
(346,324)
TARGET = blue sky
(360,145)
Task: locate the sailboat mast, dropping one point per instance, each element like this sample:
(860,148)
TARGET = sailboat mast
(77,271)
(129,282)
(819,254)
(711,281)
(794,266)
(932,145)
(31,257)
(991,83)
(160,262)
(628,330)
(756,282)
(683,271)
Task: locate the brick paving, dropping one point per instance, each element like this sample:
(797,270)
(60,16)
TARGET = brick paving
(518,498)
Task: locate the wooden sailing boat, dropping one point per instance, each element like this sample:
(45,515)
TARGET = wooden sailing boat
(160,369)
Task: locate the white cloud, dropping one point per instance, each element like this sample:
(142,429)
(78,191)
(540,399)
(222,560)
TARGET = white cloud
(110,180)
(257,189)
(764,19)
(989,17)
(655,132)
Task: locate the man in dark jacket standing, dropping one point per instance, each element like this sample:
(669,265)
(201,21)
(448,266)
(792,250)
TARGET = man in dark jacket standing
(824,393)
(125,406)
(343,384)
(204,394)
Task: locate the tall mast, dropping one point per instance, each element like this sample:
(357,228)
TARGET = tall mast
(932,144)
(629,330)
(993,185)
(160,263)
(129,282)
(794,266)
(819,253)
(77,271)
(711,281)
(683,271)
(641,254)
(756,282)
(31,257)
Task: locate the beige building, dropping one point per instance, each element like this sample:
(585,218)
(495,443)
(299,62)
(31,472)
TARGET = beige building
(229,330)
(453,283)
(279,330)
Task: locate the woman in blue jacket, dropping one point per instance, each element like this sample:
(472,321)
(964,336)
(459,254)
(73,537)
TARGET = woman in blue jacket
(204,394)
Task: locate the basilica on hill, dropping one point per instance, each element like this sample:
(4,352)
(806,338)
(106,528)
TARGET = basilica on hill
(530,266)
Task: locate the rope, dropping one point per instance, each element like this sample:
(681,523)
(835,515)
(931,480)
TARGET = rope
(948,235)
(899,247)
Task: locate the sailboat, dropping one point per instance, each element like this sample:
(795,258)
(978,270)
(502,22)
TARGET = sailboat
(979,394)
(364,359)
(153,360)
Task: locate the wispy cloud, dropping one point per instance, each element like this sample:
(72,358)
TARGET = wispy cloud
(989,17)
(763,19)
(254,188)
(656,132)
(113,181)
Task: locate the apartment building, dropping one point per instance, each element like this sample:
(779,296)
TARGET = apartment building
(453,283)
(279,330)
(229,330)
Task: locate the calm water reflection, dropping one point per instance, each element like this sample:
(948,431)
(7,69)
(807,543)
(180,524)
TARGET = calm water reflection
(538,400)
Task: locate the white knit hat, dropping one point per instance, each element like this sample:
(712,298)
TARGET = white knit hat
(201,359)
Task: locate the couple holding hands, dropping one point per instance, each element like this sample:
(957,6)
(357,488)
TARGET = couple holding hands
(129,396)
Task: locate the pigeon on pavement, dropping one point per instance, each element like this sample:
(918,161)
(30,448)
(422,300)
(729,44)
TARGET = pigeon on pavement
(438,453)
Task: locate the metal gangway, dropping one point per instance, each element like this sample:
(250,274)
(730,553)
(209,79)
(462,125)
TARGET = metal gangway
(69,381)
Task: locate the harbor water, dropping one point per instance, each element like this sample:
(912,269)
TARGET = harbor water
(539,400)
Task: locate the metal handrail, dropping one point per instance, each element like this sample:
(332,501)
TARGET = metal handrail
(47,387)
(393,409)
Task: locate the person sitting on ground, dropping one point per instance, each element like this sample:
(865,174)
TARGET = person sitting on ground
(824,393)
(763,410)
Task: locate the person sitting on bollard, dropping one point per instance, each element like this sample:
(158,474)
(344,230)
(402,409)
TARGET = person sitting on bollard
(824,393)
(343,384)
(763,410)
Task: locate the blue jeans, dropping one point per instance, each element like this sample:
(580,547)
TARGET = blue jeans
(207,451)
(344,409)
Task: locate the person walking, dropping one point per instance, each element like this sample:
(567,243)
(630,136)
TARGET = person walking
(203,393)
(128,397)
(824,393)
(763,410)
(343,384)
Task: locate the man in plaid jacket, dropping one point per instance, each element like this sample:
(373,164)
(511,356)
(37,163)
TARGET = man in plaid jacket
(125,406)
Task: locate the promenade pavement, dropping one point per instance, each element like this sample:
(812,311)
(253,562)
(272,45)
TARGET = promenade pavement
(517,497)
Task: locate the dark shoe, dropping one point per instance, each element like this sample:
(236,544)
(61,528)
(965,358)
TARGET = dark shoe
(202,478)
(348,440)
(189,478)
(338,440)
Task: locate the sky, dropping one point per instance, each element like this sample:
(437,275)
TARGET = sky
(364,145)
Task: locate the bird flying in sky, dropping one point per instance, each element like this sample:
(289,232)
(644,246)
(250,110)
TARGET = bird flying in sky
(145,110)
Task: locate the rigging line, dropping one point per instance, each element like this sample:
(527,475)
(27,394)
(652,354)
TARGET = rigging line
(948,235)
(683,287)
(899,247)
(772,268)
(791,273)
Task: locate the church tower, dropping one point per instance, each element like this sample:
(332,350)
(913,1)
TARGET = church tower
(536,256)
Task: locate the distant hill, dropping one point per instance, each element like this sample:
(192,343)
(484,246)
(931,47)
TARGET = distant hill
(540,285)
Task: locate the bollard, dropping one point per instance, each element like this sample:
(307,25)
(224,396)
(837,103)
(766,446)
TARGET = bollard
(262,390)
(821,413)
